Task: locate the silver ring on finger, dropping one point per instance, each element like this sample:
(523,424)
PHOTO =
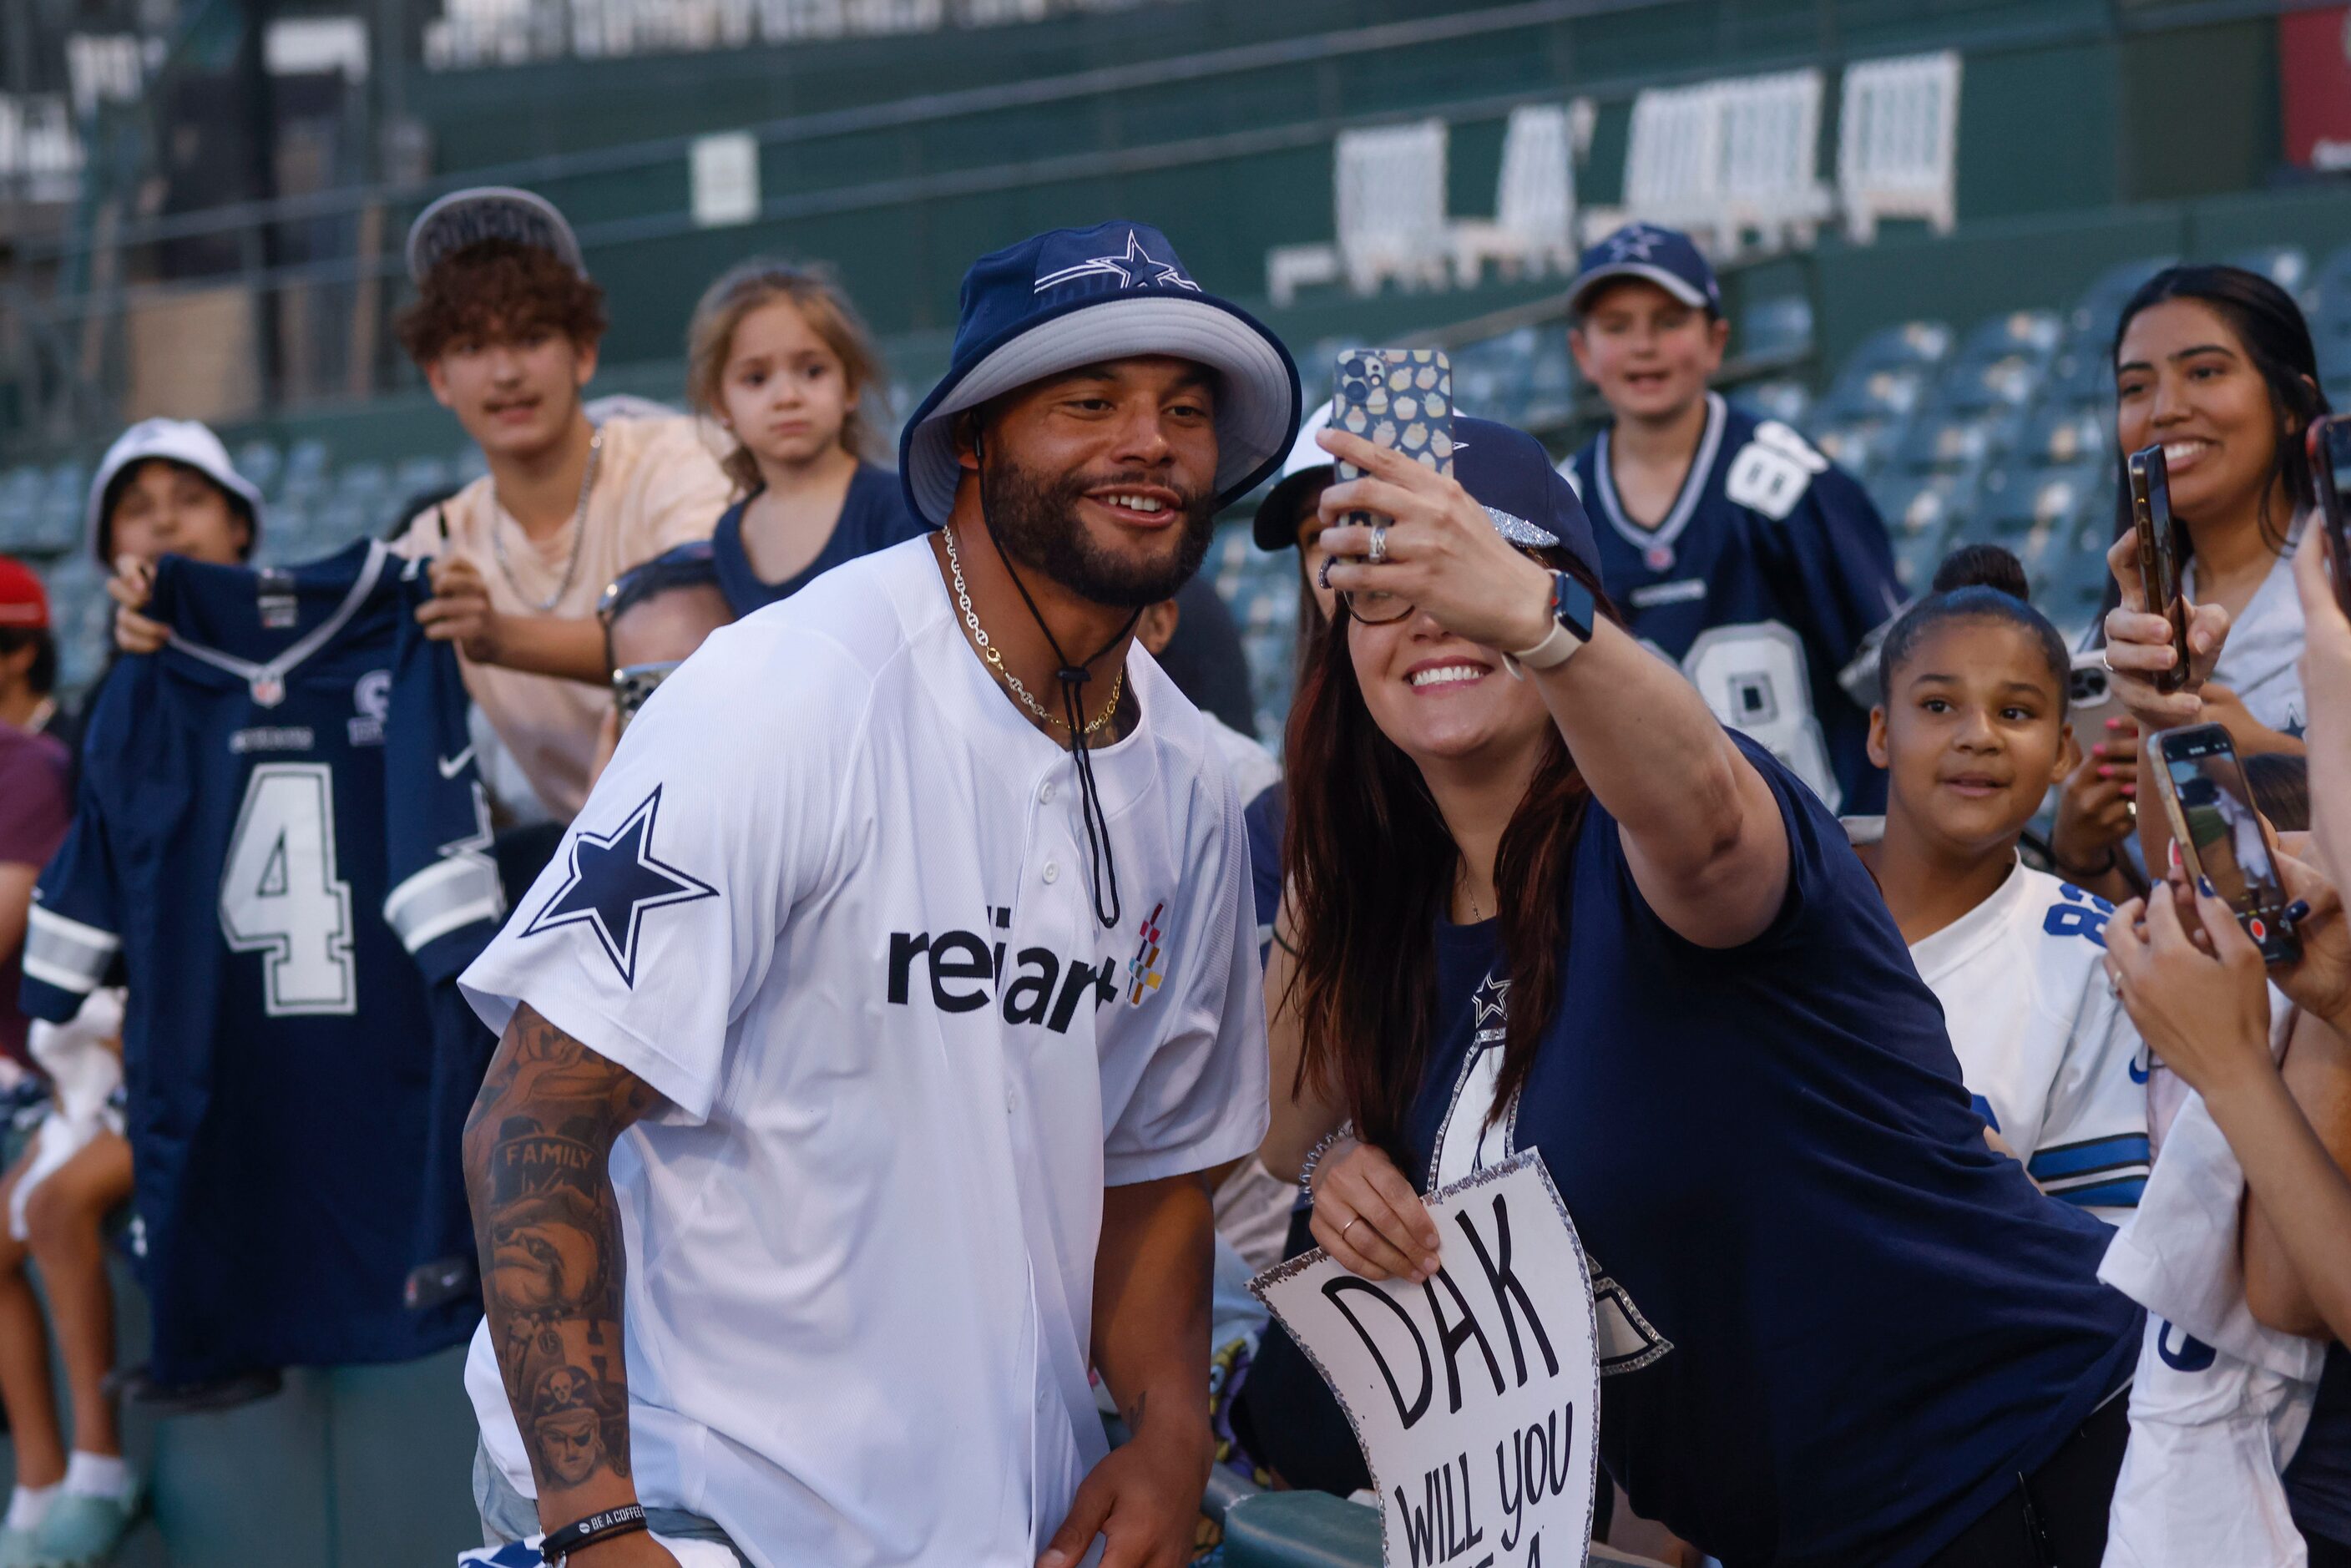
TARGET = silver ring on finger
(1349,1226)
(1379,552)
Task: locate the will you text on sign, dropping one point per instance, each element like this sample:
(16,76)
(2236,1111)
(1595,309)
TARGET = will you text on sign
(1474,1395)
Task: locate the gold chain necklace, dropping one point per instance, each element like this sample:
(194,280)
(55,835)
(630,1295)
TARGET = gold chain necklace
(996,659)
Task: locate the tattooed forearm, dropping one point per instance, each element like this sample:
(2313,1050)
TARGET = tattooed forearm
(549,1235)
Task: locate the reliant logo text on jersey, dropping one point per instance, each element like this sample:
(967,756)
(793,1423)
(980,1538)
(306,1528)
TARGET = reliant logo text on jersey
(966,971)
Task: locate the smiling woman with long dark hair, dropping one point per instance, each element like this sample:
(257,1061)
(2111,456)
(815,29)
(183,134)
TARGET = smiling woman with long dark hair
(1546,901)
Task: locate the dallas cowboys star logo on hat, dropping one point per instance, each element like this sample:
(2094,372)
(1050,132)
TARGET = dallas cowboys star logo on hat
(1636,243)
(615,880)
(1666,257)
(1127,266)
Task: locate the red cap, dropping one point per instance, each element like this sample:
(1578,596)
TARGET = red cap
(22,601)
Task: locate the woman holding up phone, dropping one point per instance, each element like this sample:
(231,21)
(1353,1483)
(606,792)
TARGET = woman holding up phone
(2215,365)
(1543,900)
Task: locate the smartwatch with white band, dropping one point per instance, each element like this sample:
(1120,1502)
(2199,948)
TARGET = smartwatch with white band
(1572,611)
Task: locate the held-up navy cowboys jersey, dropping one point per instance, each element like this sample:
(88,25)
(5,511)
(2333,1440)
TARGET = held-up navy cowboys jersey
(281,838)
(1761,581)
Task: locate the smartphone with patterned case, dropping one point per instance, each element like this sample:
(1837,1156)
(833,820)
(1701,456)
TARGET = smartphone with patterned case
(1396,398)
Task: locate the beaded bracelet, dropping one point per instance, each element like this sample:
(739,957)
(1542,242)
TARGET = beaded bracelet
(1337,1135)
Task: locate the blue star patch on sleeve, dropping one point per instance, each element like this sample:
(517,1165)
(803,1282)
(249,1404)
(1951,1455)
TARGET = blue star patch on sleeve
(614,879)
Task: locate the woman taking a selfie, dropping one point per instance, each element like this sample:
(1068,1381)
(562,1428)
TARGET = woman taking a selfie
(1549,903)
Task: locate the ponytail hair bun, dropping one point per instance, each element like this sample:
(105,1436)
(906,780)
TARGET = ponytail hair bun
(1982,566)
(1977,581)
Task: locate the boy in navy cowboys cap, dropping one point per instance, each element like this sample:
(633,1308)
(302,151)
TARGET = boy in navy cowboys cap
(1734,547)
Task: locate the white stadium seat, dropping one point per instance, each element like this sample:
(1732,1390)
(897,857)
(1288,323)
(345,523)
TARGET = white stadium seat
(1898,143)
(1534,201)
(1673,161)
(1770,151)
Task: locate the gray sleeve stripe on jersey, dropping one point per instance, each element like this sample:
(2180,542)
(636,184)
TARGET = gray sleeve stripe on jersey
(66,953)
(443,897)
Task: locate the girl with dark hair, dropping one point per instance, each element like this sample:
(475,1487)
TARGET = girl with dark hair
(1543,900)
(2216,365)
(1970,727)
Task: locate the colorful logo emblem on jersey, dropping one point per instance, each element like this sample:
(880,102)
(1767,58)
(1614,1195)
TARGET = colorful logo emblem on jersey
(615,881)
(1143,971)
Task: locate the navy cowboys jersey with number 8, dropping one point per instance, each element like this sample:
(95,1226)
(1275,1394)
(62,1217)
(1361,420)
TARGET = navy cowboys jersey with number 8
(280,838)
(1760,581)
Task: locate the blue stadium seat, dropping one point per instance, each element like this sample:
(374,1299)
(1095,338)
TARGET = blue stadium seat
(2076,581)
(56,526)
(261,462)
(1860,448)
(1494,377)
(20,496)
(363,481)
(2330,285)
(2101,306)
(2330,332)
(417,475)
(2034,512)
(1774,327)
(2083,372)
(2058,434)
(2001,363)
(1786,401)
(2287,266)
(1920,511)
(1907,344)
(1935,441)
(1890,394)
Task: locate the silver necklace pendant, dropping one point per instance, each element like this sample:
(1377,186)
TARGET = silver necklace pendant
(578,532)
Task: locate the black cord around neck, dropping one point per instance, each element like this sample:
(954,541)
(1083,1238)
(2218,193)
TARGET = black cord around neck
(1073,677)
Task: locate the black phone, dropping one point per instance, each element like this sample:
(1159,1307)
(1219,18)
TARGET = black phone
(2330,470)
(2158,555)
(2219,833)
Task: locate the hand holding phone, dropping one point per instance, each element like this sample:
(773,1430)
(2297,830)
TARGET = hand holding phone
(2218,833)
(2156,535)
(1401,399)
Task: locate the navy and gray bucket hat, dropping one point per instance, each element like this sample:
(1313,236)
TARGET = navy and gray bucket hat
(1080,296)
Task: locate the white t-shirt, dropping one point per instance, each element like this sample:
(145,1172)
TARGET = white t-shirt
(1253,767)
(837,909)
(2220,1402)
(2050,1055)
(2259,660)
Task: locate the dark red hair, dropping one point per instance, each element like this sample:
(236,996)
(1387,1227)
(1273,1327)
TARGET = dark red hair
(1369,868)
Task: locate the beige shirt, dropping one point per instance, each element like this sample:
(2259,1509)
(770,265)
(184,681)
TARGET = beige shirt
(658,483)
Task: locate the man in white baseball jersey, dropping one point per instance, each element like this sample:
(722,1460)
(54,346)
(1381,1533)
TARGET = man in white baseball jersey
(865,1041)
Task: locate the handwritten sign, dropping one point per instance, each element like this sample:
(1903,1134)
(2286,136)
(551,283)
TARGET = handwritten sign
(1475,1397)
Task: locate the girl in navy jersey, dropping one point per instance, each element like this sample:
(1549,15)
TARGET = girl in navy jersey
(1544,900)
(778,355)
